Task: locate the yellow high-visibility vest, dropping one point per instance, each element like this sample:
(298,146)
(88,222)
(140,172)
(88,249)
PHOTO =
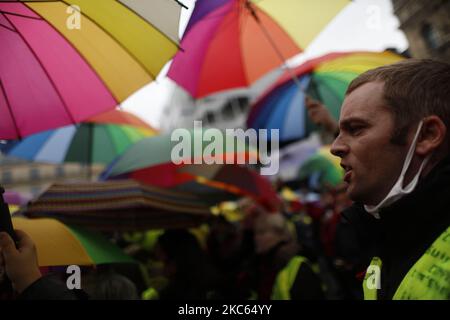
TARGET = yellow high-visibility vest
(285,279)
(428,279)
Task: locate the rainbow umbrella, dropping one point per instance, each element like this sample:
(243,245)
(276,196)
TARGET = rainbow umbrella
(325,78)
(60,65)
(97,141)
(232,43)
(293,155)
(61,245)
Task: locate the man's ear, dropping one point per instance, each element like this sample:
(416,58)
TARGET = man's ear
(432,135)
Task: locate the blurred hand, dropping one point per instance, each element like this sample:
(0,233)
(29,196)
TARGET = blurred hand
(320,115)
(20,263)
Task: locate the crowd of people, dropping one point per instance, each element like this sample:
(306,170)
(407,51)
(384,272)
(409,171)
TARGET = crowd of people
(251,258)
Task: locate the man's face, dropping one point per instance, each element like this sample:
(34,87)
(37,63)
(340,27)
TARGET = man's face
(371,162)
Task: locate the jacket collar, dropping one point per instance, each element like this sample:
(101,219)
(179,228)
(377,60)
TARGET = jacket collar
(414,220)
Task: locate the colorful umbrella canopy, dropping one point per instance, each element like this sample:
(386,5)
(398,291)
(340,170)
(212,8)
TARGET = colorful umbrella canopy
(150,160)
(61,245)
(322,170)
(236,179)
(162,14)
(325,78)
(212,194)
(121,205)
(231,43)
(98,141)
(293,155)
(61,73)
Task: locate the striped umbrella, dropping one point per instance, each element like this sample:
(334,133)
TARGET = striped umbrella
(325,78)
(120,205)
(62,62)
(61,245)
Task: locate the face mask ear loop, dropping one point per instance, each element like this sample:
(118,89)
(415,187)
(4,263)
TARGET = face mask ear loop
(413,183)
(374,209)
(409,157)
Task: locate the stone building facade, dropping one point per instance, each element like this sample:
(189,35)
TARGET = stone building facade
(426,24)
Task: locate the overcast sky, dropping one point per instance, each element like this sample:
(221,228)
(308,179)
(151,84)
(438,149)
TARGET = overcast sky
(362,25)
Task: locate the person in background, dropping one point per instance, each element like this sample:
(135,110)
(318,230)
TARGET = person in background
(106,284)
(186,266)
(276,255)
(321,116)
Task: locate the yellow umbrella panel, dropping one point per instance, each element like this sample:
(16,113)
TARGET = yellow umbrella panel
(61,245)
(303,20)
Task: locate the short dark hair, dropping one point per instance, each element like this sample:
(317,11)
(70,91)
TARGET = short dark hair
(413,89)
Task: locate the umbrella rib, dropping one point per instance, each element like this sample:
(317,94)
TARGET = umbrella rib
(182,4)
(6,27)
(241,32)
(10,110)
(46,73)
(19,15)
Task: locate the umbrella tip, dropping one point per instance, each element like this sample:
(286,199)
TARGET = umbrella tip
(182,4)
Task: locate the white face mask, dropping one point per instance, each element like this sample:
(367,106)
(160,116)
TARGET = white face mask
(397,190)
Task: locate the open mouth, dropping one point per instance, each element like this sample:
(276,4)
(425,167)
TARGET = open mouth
(348,172)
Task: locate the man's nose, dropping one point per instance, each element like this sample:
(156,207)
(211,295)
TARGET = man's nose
(338,148)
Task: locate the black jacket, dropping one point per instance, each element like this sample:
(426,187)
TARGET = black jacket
(406,229)
(47,288)
(260,276)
